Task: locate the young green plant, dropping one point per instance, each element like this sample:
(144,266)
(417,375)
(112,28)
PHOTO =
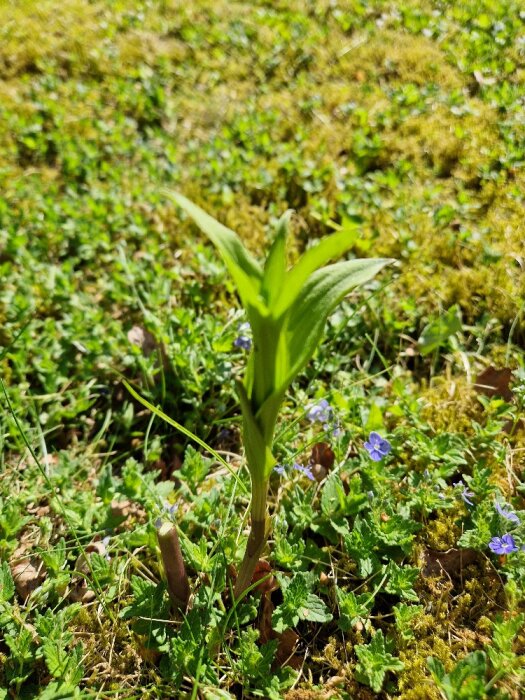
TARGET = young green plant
(287,310)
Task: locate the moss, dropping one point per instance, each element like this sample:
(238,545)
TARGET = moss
(442,533)
(397,57)
(450,405)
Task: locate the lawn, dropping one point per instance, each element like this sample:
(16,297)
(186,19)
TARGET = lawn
(395,560)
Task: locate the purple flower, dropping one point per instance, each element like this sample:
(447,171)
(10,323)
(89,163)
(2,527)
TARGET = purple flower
(466,495)
(243,341)
(377,446)
(319,412)
(505,512)
(305,470)
(503,545)
(281,469)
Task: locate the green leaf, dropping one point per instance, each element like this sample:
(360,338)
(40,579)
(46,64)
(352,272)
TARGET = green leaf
(327,249)
(500,653)
(7,586)
(322,292)
(353,608)
(333,495)
(63,663)
(275,266)
(400,581)
(405,615)
(299,603)
(259,456)
(360,543)
(375,660)
(465,681)
(439,331)
(244,269)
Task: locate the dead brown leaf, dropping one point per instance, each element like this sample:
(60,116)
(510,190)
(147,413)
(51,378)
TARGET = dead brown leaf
(263,573)
(495,382)
(323,454)
(148,344)
(27,574)
(450,562)
(287,640)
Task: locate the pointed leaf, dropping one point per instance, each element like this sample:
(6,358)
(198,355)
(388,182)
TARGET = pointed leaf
(244,269)
(318,298)
(327,249)
(275,266)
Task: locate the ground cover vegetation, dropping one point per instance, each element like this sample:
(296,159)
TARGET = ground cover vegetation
(394,566)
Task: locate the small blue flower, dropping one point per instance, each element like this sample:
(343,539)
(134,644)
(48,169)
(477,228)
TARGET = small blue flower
(305,470)
(465,494)
(377,447)
(503,545)
(505,512)
(243,341)
(281,469)
(319,412)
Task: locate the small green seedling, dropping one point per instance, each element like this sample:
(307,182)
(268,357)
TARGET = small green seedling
(287,310)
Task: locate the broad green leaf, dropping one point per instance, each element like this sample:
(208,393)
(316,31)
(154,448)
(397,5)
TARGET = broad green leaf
(267,358)
(259,456)
(327,249)
(320,295)
(275,266)
(244,269)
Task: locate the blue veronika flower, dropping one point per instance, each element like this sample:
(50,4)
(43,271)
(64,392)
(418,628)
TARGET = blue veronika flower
(505,512)
(242,340)
(319,412)
(305,470)
(377,447)
(503,545)
(465,494)
(281,469)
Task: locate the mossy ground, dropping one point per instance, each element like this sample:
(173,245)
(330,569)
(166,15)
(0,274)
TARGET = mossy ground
(405,119)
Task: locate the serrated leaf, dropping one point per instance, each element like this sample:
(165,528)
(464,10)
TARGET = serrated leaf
(7,585)
(375,660)
(465,681)
(314,610)
(400,581)
(353,608)
(299,603)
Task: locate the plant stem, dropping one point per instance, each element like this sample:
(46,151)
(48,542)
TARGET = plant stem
(256,539)
(178,584)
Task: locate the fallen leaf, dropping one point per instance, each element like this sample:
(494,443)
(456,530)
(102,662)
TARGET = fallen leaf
(263,573)
(451,562)
(148,344)
(495,382)
(287,640)
(322,454)
(28,574)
